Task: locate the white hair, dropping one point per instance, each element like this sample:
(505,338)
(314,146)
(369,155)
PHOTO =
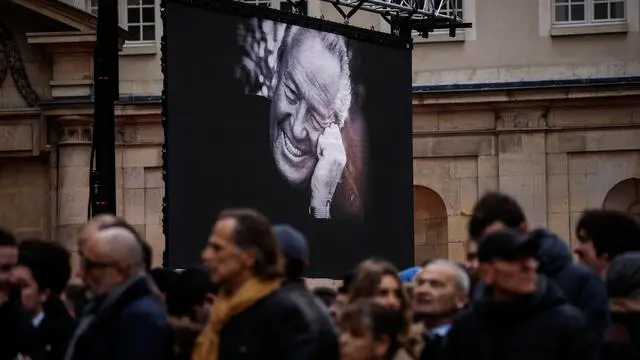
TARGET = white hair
(462,278)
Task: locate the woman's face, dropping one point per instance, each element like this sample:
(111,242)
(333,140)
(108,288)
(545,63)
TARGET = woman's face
(303,106)
(358,344)
(31,298)
(389,293)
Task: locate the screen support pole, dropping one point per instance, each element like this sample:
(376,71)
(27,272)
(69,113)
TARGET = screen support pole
(106,87)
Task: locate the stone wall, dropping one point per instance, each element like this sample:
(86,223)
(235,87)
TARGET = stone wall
(556,161)
(24,196)
(139,185)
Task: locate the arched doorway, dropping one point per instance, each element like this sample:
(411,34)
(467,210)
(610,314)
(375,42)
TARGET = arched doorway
(430,225)
(624,196)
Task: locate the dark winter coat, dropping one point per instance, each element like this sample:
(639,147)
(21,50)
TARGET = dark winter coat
(580,285)
(272,328)
(318,317)
(129,324)
(539,326)
(55,330)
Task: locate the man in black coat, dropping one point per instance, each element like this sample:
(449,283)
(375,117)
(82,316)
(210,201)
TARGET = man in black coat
(42,273)
(17,334)
(295,249)
(124,319)
(517,313)
(578,284)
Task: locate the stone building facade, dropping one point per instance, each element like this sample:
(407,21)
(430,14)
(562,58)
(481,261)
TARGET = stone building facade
(503,105)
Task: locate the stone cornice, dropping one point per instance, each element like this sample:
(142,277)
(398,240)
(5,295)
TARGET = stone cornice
(124,113)
(523,99)
(64,37)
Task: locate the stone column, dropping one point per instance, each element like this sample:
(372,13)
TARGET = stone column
(72,178)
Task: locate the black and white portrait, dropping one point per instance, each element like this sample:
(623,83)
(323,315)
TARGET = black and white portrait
(316,132)
(304,120)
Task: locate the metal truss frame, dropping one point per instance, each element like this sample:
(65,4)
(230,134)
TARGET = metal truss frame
(406,17)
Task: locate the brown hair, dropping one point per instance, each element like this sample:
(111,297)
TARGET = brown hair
(366,316)
(253,231)
(366,282)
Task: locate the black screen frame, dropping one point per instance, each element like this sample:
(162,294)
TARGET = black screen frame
(238,8)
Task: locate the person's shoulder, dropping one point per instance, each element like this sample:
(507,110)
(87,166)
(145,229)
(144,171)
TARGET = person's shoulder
(568,317)
(145,308)
(582,271)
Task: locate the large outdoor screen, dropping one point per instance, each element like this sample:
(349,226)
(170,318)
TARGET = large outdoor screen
(295,118)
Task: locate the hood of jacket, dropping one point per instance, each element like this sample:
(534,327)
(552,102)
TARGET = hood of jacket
(554,253)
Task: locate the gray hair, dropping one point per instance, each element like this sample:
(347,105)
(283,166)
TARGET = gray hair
(462,278)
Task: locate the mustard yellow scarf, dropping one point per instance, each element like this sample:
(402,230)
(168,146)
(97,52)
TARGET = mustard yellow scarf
(208,343)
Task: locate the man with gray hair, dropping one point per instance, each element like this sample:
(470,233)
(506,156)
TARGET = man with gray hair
(123,320)
(440,292)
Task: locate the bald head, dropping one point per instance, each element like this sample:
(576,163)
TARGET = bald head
(117,245)
(93,226)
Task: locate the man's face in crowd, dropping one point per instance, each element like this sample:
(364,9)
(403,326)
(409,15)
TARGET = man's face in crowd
(31,297)
(516,276)
(389,292)
(587,253)
(302,107)
(8,259)
(472,254)
(100,272)
(226,260)
(436,291)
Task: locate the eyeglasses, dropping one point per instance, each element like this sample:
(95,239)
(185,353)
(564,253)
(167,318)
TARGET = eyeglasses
(89,264)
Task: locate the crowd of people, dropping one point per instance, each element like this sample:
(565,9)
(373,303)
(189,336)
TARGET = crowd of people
(519,295)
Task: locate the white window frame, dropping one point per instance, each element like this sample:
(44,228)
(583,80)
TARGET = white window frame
(589,14)
(123,21)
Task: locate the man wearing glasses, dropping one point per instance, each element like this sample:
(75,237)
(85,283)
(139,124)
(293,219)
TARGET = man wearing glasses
(124,320)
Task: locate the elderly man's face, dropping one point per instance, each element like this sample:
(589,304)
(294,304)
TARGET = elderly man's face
(436,291)
(303,107)
(227,261)
(100,271)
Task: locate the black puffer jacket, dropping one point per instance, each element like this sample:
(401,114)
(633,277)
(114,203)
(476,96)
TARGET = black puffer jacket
(622,340)
(580,285)
(535,327)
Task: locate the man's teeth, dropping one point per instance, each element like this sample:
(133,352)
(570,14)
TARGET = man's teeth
(290,147)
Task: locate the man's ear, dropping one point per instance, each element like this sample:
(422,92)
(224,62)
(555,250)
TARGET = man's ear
(249,257)
(44,295)
(485,273)
(524,227)
(461,300)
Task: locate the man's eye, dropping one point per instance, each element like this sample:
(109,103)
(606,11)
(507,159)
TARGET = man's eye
(290,94)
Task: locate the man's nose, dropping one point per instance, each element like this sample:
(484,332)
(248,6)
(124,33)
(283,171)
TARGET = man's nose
(299,123)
